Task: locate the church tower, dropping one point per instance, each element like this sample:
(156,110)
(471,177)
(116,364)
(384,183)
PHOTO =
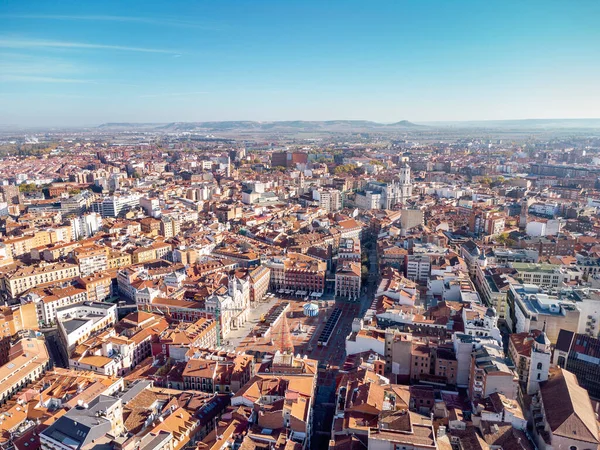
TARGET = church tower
(228,168)
(404,184)
(523,217)
(539,364)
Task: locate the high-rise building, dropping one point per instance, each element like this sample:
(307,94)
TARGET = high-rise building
(151,206)
(112,206)
(86,225)
(329,199)
(411,218)
(11,194)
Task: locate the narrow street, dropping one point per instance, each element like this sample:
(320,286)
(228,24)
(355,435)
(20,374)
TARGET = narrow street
(57,357)
(371,281)
(325,397)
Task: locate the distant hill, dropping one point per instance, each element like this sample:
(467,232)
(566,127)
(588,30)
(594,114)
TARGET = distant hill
(278,126)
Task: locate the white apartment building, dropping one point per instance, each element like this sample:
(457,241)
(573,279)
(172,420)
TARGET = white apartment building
(85,225)
(113,205)
(151,206)
(48,301)
(76,323)
(418,267)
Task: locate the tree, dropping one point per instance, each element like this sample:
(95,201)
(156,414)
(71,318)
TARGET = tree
(364,258)
(345,168)
(28,187)
(504,239)
(364,273)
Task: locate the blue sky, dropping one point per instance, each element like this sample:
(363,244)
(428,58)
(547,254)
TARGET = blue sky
(89,62)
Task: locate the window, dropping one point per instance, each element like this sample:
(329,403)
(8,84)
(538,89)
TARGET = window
(539,366)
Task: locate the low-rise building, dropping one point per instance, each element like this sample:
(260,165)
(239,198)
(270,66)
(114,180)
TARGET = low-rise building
(348,280)
(176,342)
(76,323)
(85,426)
(493,285)
(296,271)
(16,319)
(260,279)
(531,309)
(48,300)
(544,275)
(91,259)
(281,402)
(105,353)
(491,372)
(24,278)
(28,360)
(117,259)
(98,286)
(215,373)
(143,329)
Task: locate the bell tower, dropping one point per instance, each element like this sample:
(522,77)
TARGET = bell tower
(404,184)
(524,216)
(539,364)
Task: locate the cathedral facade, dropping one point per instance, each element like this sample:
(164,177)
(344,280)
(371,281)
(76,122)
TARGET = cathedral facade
(377,195)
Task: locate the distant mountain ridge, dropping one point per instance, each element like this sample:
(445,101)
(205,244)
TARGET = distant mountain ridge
(341,126)
(248,125)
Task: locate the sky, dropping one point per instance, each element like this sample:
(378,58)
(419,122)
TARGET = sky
(84,63)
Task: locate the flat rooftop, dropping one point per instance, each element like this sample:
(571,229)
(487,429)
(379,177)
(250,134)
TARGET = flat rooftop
(72,325)
(536,267)
(98,305)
